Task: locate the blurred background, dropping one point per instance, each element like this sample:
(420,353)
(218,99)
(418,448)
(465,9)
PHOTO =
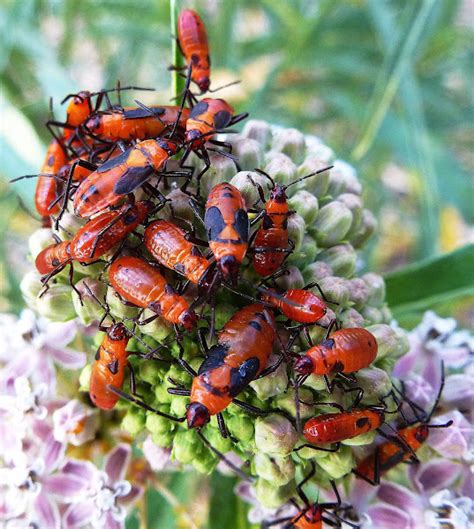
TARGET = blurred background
(387,84)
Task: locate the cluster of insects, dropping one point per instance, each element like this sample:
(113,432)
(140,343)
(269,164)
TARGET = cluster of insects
(114,166)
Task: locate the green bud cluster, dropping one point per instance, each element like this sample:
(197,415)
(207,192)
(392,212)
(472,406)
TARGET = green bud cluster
(328,226)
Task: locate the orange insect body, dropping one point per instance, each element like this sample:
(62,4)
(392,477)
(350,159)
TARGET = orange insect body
(47,187)
(335,427)
(141,284)
(227,227)
(273,234)
(345,351)
(121,175)
(168,245)
(192,38)
(134,123)
(109,366)
(242,351)
(102,233)
(311,519)
(390,454)
(52,257)
(311,309)
(206,117)
(78,110)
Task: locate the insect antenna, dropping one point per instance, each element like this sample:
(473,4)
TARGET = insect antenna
(307,176)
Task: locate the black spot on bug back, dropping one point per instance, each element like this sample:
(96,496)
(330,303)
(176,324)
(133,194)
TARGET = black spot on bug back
(199,109)
(227,195)
(133,178)
(55,261)
(51,160)
(169,289)
(363,421)
(242,225)
(338,367)
(328,344)
(130,218)
(255,325)
(179,268)
(215,358)
(195,59)
(114,162)
(222,119)
(214,222)
(141,113)
(113,367)
(241,377)
(267,222)
(284,224)
(195,251)
(97,354)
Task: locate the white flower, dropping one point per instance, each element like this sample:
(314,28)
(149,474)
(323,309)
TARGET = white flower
(74,423)
(448,511)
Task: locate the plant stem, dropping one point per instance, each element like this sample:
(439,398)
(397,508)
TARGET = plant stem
(177,82)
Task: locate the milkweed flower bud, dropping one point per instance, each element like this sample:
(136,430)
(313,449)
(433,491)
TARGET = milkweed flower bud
(272,384)
(244,182)
(354,204)
(305,204)
(343,179)
(319,183)
(351,318)
(317,149)
(287,402)
(372,315)
(134,421)
(186,445)
(332,223)
(39,240)
(249,153)
(117,308)
(293,279)
(296,230)
(241,427)
(341,258)
(85,377)
(87,307)
(358,292)
(335,290)
(30,287)
(338,464)
(366,438)
(222,170)
(259,131)
(69,225)
(56,304)
(275,435)
(178,206)
(280,167)
(375,382)
(316,271)
(376,289)
(277,470)
(389,341)
(307,252)
(366,229)
(290,142)
(271,495)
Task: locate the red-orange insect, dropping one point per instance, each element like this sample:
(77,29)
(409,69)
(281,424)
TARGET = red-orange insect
(139,283)
(47,186)
(109,366)
(306,307)
(168,245)
(243,347)
(227,226)
(271,243)
(344,351)
(121,175)
(53,258)
(192,40)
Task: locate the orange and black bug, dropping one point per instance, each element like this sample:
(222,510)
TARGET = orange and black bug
(192,40)
(402,447)
(306,307)
(270,243)
(227,226)
(141,284)
(312,515)
(53,258)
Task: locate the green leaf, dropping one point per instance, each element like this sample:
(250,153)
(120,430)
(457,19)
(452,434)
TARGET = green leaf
(226,510)
(423,285)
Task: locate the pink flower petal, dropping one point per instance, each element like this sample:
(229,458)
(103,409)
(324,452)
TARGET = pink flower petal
(53,453)
(112,523)
(67,357)
(78,515)
(83,470)
(132,496)
(435,475)
(61,333)
(117,462)
(47,512)
(452,442)
(44,372)
(398,496)
(66,486)
(387,517)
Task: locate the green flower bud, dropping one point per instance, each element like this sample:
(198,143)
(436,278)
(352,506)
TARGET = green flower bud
(307,252)
(315,382)
(134,421)
(305,204)
(39,240)
(335,290)
(332,223)
(118,309)
(389,341)
(30,287)
(293,279)
(186,446)
(317,184)
(206,462)
(290,142)
(178,207)
(152,372)
(163,440)
(367,227)
(343,179)
(274,434)
(249,153)
(222,170)
(376,289)
(272,496)
(69,225)
(351,318)
(341,258)
(89,311)
(375,382)
(387,315)
(161,393)
(372,315)
(354,204)
(316,271)
(272,384)
(85,377)
(213,435)
(361,440)
(56,304)
(316,149)
(258,130)
(339,463)
(277,470)
(296,230)
(243,182)
(178,405)
(241,427)
(287,402)
(158,424)
(280,167)
(358,292)
(158,328)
